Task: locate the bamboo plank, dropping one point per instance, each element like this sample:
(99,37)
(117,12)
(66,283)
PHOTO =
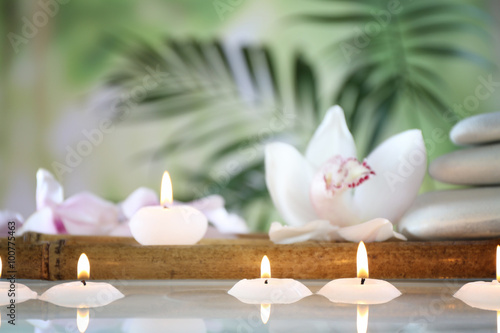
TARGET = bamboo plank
(240,258)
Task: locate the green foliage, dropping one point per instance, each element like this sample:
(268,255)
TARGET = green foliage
(394,56)
(227,103)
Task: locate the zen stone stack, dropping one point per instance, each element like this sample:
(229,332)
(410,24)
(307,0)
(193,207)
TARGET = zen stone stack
(469,213)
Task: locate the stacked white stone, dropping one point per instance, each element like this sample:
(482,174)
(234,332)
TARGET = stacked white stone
(470,213)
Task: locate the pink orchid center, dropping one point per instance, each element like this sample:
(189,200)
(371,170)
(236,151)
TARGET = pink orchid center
(334,177)
(339,173)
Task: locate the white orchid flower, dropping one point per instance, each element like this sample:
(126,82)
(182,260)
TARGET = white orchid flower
(331,184)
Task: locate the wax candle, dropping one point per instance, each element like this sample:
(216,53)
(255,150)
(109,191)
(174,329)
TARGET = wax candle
(360,290)
(168,225)
(481,294)
(267,290)
(82,294)
(12,292)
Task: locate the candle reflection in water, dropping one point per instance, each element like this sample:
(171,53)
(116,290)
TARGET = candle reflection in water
(362,318)
(265,312)
(82,319)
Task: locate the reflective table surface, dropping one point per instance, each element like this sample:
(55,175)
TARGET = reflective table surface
(205,306)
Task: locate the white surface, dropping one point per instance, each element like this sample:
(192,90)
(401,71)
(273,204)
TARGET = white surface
(22,293)
(480,294)
(351,291)
(76,295)
(179,225)
(471,166)
(472,213)
(275,291)
(424,306)
(482,128)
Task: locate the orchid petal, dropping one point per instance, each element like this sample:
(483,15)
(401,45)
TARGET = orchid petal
(210,202)
(7,216)
(49,191)
(41,221)
(122,230)
(376,230)
(399,164)
(319,230)
(288,176)
(213,208)
(141,197)
(332,187)
(331,138)
(87,214)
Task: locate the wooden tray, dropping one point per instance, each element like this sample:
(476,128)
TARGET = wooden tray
(55,258)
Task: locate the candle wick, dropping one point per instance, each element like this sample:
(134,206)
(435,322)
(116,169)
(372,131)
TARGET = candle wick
(363,280)
(84,283)
(265,282)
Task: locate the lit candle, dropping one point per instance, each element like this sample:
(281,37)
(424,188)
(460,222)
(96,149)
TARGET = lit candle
(82,294)
(267,290)
(12,292)
(360,290)
(481,294)
(167,225)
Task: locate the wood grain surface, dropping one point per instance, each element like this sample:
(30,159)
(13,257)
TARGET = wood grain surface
(55,258)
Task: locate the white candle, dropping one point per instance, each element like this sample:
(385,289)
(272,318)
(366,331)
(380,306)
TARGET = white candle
(481,294)
(360,290)
(267,290)
(82,294)
(164,225)
(12,292)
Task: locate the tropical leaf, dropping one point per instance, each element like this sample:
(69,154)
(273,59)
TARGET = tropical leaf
(404,47)
(231,97)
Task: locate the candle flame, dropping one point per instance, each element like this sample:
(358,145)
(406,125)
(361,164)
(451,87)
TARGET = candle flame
(498,263)
(265,313)
(1,266)
(166,194)
(362,318)
(265,268)
(83,267)
(362,261)
(82,319)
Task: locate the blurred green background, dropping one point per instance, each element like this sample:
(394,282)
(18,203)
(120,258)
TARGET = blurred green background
(231,75)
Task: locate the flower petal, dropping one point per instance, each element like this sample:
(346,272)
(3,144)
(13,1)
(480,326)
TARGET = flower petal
(399,164)
(376,230)
(213,208)
(49,192)
(41,221)
(122,230)
(288,176)
(320,230)
(331,138)
(332,187)
(87,214)
(141,197)
(7,216)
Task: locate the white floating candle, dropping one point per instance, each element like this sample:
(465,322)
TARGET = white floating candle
(12,292)
(166,225)
(360,290)
(82,294)
(481,294)
(267,290)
